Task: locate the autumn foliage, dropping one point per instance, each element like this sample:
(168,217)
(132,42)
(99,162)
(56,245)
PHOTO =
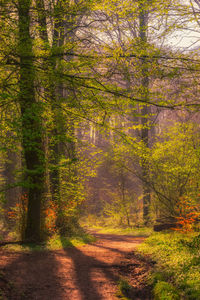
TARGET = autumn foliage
(18,214)
(188,213)
(19,211)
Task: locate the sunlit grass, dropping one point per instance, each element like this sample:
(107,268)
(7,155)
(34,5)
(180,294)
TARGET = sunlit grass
(109,226)
(178,263)
(59,242)
(56,242)
(133,231)
(129,231)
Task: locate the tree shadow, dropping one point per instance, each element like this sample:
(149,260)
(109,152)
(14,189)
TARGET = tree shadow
(85,267)
(68,274)
(34,275)
(31,275)
(120,238)
(111,249)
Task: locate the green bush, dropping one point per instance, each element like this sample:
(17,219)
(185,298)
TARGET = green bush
(165,291)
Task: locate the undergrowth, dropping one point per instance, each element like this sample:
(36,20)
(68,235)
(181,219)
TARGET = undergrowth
(177,271)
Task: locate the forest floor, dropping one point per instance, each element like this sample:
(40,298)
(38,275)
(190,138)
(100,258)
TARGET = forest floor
(90,272)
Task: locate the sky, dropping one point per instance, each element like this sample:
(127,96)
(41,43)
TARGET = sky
(189,37)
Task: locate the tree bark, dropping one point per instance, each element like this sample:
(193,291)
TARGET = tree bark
(143,24)
(57,92)
(32,141)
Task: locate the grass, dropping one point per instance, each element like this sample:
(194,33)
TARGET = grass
(125,231)
(133,231)
(165,291)
(177,271)
(56,242)
(59,242)
(109,226)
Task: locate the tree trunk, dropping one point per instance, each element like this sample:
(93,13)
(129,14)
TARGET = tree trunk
(32,142)
(58,146)
(143,23)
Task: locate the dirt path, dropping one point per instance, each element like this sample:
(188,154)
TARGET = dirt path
(90,272)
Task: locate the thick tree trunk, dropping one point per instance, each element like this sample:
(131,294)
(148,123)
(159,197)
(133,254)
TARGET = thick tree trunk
(56,91)
(32,142)
(50,91)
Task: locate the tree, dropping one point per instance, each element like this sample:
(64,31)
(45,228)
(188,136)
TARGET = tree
(145,111)
(80,63)
(174,168)
(31,125)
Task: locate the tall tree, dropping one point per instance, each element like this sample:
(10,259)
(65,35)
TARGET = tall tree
(31,126)
(145,111)
(61,95)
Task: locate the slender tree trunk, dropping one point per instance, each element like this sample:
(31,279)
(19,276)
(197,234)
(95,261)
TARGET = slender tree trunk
(123,191)
(31,126)
(12,163)
(59,120)
(143,23)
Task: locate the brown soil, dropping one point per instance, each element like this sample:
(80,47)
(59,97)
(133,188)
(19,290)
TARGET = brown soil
(90,272)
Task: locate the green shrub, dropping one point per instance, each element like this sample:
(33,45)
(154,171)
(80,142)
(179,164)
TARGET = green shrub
(165,291)
(156,277)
